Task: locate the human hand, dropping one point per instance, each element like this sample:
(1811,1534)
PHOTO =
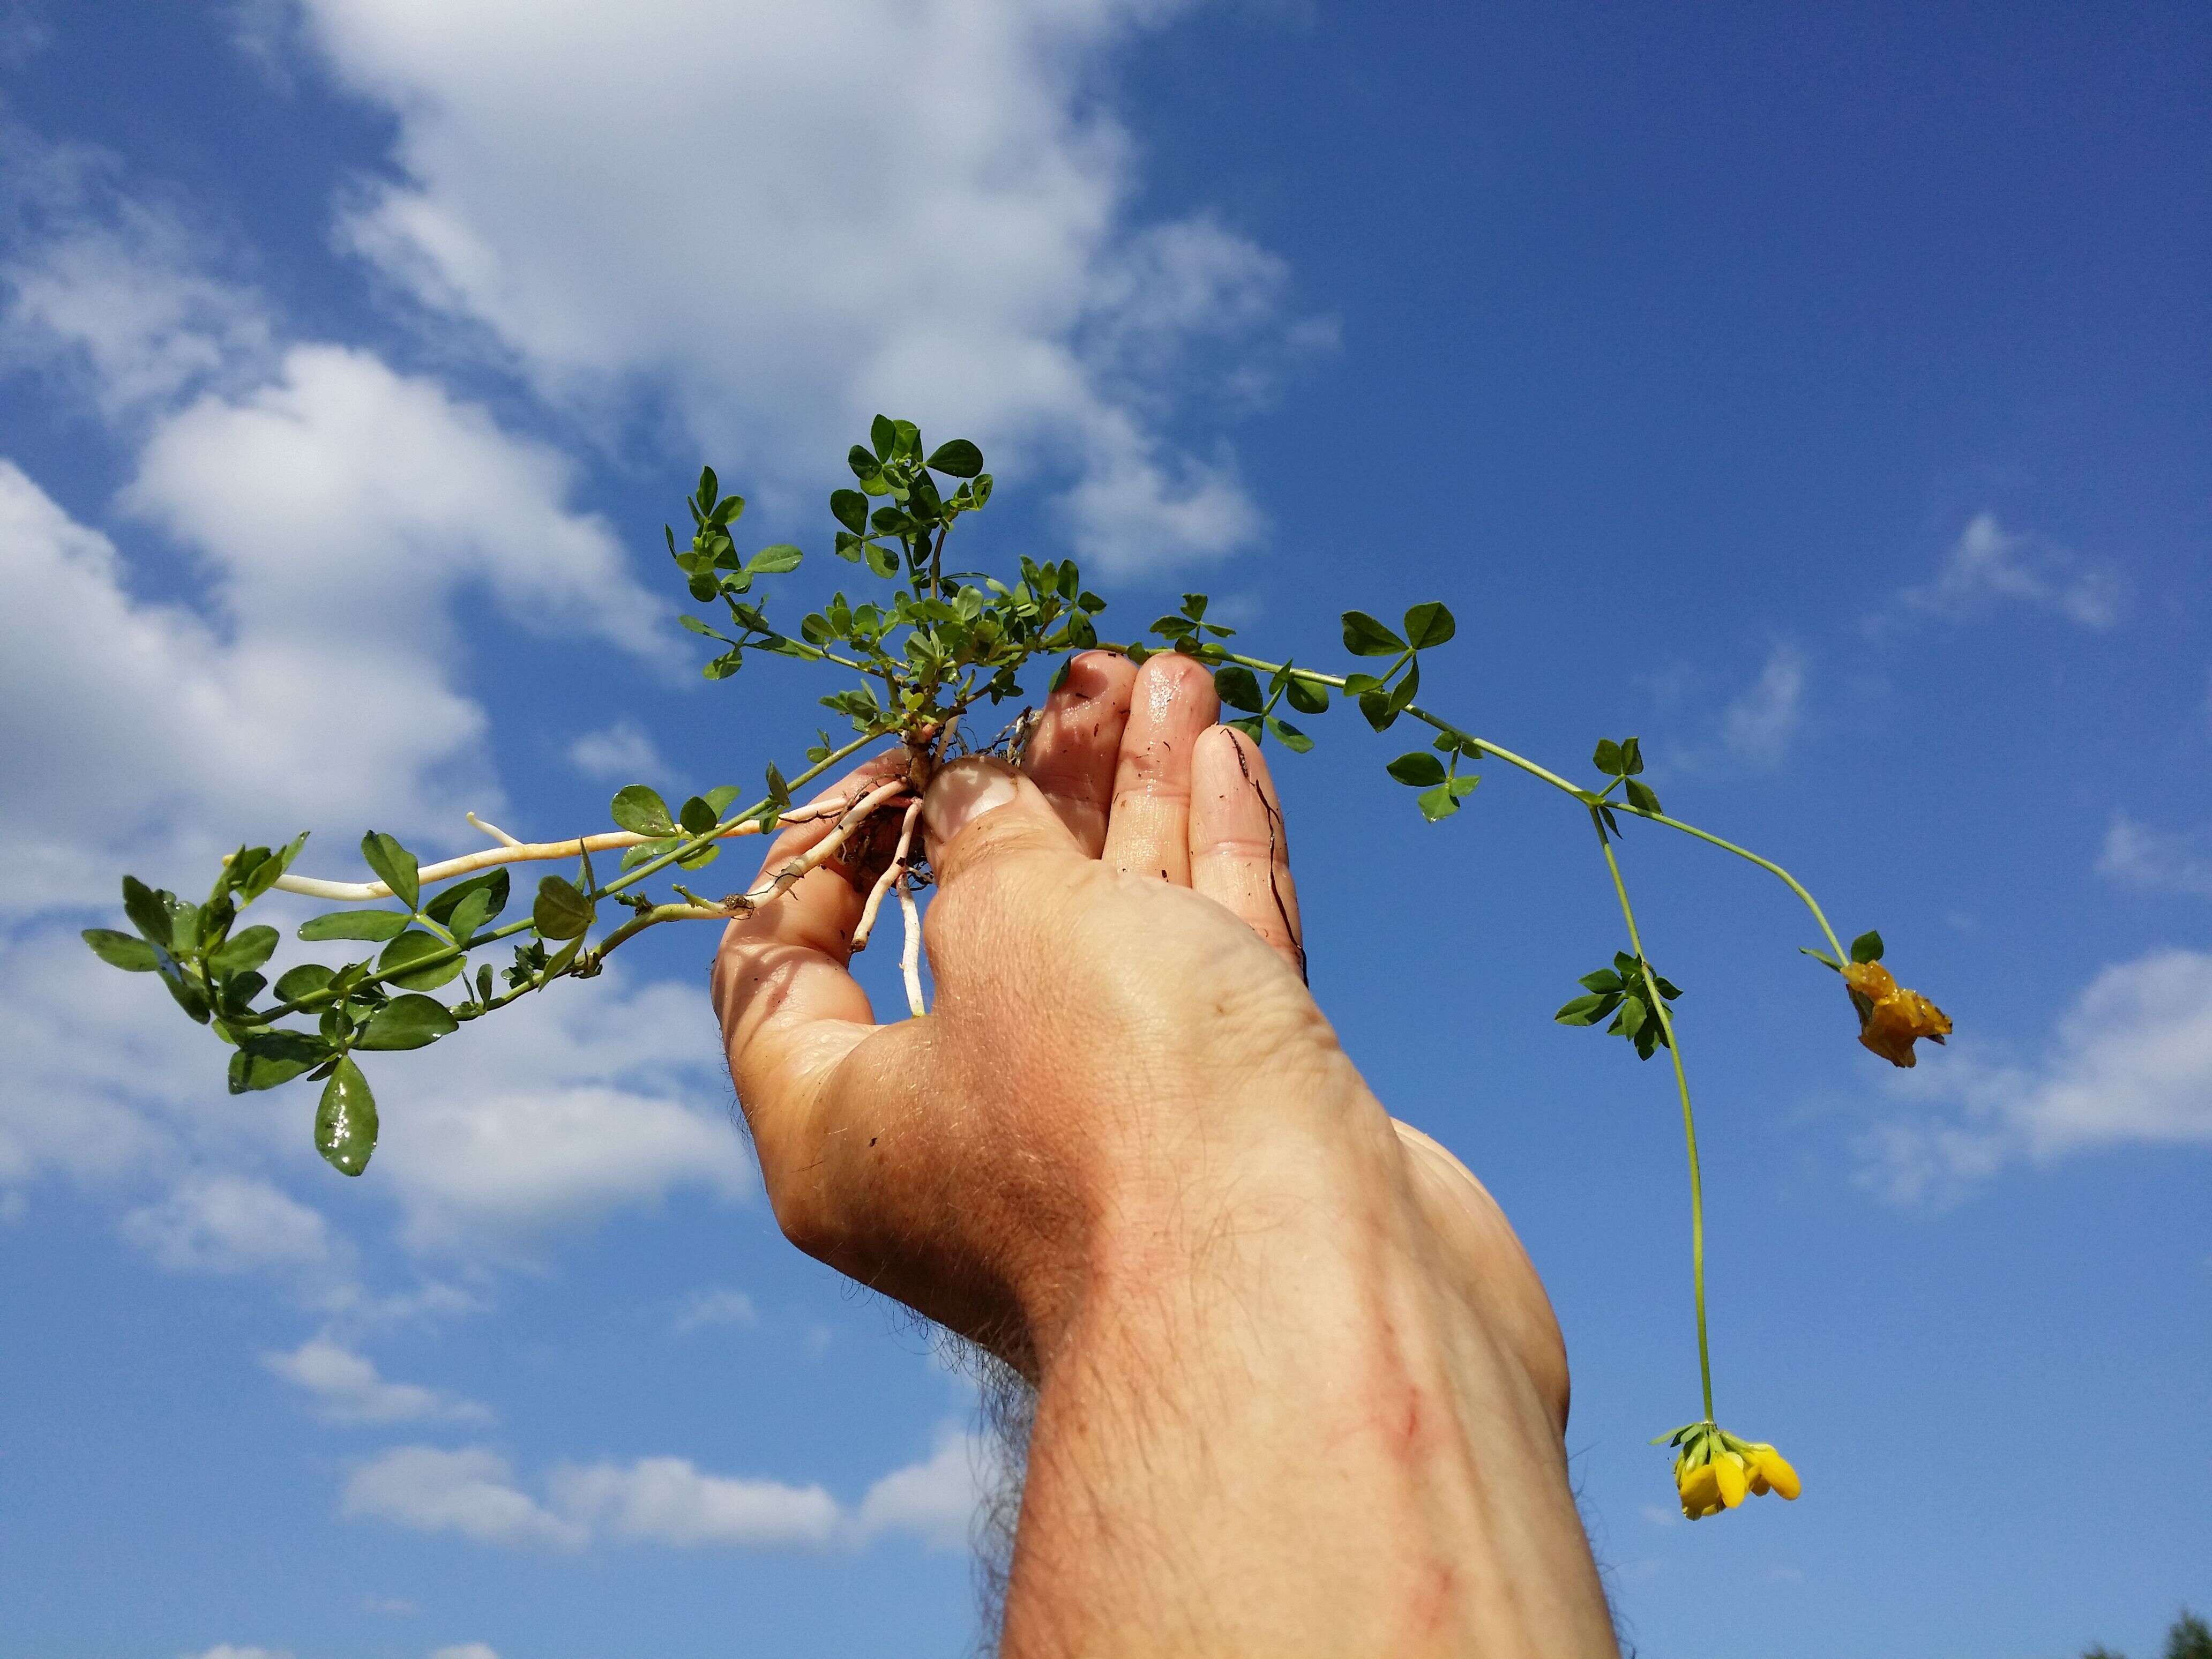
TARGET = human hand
(1120,1020)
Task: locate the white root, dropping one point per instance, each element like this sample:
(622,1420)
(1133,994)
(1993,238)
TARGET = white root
(882,886)
(493,830)
(823,850)
(911,957)
(511,851)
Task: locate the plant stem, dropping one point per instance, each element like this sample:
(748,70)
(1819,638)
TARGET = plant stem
(1530,767)
(1658,1005)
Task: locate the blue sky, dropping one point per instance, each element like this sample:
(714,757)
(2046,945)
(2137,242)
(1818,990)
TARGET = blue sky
(1822,397)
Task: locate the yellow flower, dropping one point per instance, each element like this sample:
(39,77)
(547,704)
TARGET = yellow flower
(1700,1489)
(1716,1471)
(1770,1470)
(1891,1017)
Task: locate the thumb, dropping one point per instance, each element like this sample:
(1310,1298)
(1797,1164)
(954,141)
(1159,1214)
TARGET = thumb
(979,810)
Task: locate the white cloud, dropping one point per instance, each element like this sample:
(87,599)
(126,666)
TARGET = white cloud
(2157,860)
(466,1651)
(582,1099)
(719,1306)
(2130,1063)
(470,1492)
(111,292)
(622,752)
(226,1651)
(230,1224)
(665,1500)
(571,1102)
(668,1501)
(935,1501)
(1988,564)
(1758,726)
(795,252)
(346,1388)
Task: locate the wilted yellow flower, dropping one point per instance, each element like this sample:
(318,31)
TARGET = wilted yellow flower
(1716,1471)
(1891,1017)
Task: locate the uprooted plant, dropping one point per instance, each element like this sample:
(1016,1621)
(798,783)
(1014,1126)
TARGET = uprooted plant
(919,655)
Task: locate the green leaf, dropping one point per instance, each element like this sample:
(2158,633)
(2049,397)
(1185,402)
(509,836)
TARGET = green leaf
(354,924)
(1633,1013)
(148,910)
(1365,637)
(493,884)
(1641,796)
(640,811)
(883,433)
(1251,726)
(1237,687)
(1464,785)
(270,1058)
(1402,693)
(697,817)
(264,875)
(1867,947)
(413,947)
(394,865)
(1631,756)
(561,911)
(475,909)
(1607,757)
(408,1021)
(850,508)
(884,560)
(1587,1010)
(645,851)
(125,951)
(1375,705)
(868,469)
(1293,740)
(304,981)
(1429,624)
(1437,804)
(345,1121)
(957,460)
(774,561)
(1418,768)
(1603,980)
(243,950)
(1823,958)
(710,488)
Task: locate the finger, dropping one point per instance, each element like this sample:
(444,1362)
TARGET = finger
(979,811)
(787,1006)
(1240,857)
(1148,824)
(1072,754)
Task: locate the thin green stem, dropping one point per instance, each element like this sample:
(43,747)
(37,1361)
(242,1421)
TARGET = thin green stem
(1438,723)
(1658,1005)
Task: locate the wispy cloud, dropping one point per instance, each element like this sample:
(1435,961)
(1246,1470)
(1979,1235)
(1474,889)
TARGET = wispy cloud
(719,1306)
(1752,729)
(622,752)
(1758,726)
(529,205)
(2154,861)
(2130,1063)
(345,1387)
(1988,566)
(669,1501)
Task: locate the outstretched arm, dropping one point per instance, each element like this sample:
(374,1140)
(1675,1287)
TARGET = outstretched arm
(1300,1392)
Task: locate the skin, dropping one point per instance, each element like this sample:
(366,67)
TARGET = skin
(1300,1391)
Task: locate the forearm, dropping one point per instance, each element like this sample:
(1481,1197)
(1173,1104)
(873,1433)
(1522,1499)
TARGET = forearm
(1274,1422)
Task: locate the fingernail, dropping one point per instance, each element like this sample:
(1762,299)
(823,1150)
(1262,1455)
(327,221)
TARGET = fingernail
(962,792)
